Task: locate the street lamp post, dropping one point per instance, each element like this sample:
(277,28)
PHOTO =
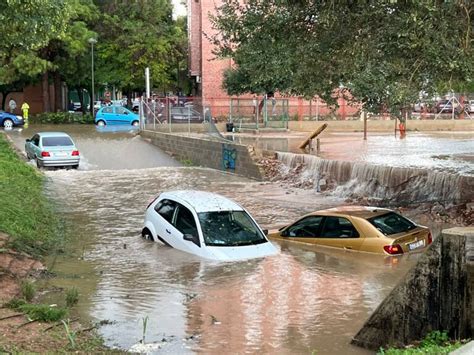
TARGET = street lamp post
(92,41)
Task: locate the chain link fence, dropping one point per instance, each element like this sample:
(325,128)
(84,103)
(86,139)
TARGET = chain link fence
(173,114)
(255,113)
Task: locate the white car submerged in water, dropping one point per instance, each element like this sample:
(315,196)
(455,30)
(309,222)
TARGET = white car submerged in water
(207,225)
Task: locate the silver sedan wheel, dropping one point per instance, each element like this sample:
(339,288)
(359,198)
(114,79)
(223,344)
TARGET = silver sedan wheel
(8,124)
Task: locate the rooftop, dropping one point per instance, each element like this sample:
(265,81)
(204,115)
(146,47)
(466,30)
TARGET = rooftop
(202,201)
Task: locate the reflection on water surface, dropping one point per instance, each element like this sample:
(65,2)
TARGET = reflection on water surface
(305,299)
(301,300)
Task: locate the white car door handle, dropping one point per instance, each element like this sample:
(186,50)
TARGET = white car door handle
(167,231)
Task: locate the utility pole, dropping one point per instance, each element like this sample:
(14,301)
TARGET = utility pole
(92,41)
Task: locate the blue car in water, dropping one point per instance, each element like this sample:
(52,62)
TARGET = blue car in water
(9,120)
(116,115)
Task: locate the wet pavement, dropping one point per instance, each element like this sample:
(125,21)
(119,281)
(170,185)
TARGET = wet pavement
(103,148)
(304,300)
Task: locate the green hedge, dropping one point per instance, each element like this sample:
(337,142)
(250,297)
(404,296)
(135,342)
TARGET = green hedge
(62,117)
(26,215)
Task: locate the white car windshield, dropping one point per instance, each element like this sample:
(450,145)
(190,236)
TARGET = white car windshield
(229,228)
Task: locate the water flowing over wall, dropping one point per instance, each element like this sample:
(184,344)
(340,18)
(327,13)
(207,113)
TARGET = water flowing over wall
(393,185)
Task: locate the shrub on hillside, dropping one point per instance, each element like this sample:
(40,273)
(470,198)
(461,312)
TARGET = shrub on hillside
(63,117)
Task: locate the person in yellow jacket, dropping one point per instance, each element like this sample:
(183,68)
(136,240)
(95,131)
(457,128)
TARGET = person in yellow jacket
(25,108)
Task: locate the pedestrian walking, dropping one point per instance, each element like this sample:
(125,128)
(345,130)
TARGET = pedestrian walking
(255,104)
(25,109)
(12,105)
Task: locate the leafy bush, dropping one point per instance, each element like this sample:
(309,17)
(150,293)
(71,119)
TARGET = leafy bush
(435,338)
(435,342)
(63,117)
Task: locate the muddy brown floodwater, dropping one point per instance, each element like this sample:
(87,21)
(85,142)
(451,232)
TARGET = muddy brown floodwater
(302,300)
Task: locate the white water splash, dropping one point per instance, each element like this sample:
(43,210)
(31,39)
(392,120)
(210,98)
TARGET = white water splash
(392,184)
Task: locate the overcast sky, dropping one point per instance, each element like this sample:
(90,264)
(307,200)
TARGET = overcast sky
(179,9)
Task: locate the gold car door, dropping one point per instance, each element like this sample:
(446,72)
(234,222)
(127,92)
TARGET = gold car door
(339,232)
(305,230)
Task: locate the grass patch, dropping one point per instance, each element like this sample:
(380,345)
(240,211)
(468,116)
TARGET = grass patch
(435,342)
(28,290)
(39,312)
(186,162)
(25,212)
(72,297)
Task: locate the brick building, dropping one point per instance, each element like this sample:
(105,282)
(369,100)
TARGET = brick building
(207,72)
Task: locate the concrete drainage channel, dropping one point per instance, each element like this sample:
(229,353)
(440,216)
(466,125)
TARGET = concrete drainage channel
(216,154)
(442,282)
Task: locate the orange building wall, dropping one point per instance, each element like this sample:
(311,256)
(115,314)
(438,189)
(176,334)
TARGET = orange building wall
(33,95)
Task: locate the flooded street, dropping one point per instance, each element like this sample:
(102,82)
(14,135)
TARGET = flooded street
(303,300)
(443,151)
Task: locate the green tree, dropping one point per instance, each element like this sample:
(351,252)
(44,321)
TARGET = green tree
(382,53)
(27,26)
(72,59)
(133,35)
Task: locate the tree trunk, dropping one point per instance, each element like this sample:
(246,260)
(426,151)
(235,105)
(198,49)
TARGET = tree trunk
(129,99)
(81,99)
(58,97)
(4,99)
(92,102)
(45,88)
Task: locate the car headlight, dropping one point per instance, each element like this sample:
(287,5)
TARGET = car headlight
(19,117)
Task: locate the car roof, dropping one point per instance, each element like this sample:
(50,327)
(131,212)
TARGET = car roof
(355,211)
(203,201)
(113,106)
(53,134)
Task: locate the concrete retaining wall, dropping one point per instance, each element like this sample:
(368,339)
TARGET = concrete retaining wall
(235,158)
(436,294)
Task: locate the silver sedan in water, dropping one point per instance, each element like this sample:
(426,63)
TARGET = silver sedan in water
(53,149)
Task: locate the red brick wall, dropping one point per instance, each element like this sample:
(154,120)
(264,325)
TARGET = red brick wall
(210,70)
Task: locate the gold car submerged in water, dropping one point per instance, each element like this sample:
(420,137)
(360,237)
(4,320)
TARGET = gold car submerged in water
(369,229)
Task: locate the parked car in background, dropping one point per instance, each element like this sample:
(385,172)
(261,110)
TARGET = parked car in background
(121,102)
(445,106)
(369,229)
(207,225)
(77,107)
(97,105)
(469,106)
(419,107)
(52,149)
(9,120)
(112,115)
(135,105)
(184,115)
